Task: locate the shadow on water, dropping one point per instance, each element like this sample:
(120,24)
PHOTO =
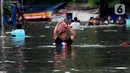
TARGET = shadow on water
(23,55)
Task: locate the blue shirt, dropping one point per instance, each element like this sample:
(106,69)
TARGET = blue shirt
(17,41)
(18,33)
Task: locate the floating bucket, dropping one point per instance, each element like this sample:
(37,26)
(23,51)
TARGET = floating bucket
(125,43)
(127,23)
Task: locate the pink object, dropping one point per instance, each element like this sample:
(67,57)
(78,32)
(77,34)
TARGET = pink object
(62,27)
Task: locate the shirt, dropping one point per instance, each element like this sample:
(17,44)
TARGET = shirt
(90,23)
(109,22)
(66,42)
(17,41)
(120,22)
(75,25)
(18,33)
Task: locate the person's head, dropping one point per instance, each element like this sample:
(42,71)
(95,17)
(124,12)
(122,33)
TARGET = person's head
(119,18)
(91,19)
(19,26)
(109,18)
(94,21)
(75,18)
(63,35)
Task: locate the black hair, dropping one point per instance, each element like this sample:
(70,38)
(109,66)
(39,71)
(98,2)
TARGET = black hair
(95,19)
(91,18)
(75,18)
(18,26)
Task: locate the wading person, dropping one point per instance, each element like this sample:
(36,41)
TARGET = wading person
(61,37)
(18,32)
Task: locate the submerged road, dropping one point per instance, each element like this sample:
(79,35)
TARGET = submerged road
(95,50)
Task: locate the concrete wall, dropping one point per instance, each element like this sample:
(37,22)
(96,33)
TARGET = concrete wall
(83,16)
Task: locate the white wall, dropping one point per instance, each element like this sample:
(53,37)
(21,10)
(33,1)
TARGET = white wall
(81,15)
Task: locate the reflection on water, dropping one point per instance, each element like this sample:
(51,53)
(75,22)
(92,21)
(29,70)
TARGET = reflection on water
(12,58)
(95,50)
(62,55)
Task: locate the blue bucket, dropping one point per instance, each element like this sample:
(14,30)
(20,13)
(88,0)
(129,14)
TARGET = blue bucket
(128,23)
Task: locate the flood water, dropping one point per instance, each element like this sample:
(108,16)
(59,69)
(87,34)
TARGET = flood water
(95,50)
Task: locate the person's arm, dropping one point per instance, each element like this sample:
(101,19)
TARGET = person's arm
(55,31)
(7,33)
(105,22)
(72,33)
(10,33)
(111,22)
(117,22)
(71,24)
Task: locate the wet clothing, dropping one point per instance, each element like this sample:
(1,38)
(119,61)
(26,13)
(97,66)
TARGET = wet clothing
(18,33)
(17,41)
(109,22)
(90,23)
(75,25)
(66,42)
(120,22)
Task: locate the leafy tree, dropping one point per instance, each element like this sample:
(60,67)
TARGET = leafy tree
(7,9)
(91,2)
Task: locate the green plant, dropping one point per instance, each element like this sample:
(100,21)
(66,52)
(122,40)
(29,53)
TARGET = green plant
(7,9)
(91,3)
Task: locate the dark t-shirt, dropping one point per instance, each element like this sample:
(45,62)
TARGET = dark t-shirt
(67,42)
(90,23)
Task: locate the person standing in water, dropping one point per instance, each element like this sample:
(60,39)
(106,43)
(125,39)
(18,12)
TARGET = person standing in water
(109,20)
(90,21)
(75,24)
(61,37)
(120,21)
(18,32)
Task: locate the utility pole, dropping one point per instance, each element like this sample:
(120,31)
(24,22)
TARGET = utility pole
(1,9)
(2,25)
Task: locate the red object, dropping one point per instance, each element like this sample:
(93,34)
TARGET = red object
(62,27)
(125,43)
